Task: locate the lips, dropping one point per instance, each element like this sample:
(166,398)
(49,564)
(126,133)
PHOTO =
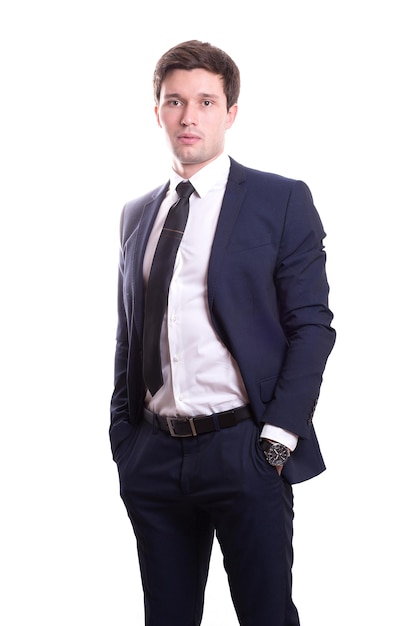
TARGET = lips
(188,139)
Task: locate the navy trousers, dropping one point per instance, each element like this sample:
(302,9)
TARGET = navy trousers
(179,493)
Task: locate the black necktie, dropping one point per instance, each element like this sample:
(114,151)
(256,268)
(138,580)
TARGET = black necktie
(158,285)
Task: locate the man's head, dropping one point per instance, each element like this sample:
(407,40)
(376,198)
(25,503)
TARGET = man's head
(195,54)
(196,88)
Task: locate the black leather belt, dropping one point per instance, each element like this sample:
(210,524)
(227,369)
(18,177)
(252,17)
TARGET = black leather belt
(187,426)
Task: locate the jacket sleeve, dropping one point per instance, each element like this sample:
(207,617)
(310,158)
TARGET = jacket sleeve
(119,406)
(302,292)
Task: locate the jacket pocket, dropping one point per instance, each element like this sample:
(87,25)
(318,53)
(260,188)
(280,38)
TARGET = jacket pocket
(268,388)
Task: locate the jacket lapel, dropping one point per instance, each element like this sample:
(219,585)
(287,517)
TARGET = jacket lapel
(144,228)
(232,202)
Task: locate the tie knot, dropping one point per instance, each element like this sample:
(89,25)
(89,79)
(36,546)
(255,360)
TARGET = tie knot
(185,189)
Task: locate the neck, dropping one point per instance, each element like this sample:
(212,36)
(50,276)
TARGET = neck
(186,170)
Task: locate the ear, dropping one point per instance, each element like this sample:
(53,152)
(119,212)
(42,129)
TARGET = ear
(231,116)
(157,116)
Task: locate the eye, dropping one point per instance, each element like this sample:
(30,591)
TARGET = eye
(174,103)
(207,103)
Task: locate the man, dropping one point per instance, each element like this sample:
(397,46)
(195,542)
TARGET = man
(212,425)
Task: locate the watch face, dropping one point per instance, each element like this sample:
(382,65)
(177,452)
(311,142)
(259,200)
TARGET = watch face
(277,454)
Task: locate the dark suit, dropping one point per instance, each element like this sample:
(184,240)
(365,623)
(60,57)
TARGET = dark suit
(267,295)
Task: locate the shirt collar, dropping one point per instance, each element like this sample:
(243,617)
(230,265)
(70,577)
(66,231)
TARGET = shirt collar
(211,175)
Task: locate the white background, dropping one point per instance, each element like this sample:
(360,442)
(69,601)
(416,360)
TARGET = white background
(328,96)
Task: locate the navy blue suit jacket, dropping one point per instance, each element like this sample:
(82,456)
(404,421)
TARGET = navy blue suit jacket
(268,300)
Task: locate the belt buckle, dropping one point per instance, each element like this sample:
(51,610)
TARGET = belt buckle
(190,420)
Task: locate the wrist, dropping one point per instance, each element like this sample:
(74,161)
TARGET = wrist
(275,453)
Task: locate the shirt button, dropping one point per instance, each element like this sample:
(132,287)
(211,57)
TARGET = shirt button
(176,358)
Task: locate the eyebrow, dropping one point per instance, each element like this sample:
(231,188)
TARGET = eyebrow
(210,96)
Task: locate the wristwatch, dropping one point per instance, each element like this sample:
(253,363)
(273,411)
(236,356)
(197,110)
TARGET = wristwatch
(275,453)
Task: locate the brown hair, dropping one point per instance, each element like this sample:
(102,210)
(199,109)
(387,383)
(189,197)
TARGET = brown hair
(194,55)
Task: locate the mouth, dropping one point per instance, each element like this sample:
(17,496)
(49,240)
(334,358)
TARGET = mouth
(188,139)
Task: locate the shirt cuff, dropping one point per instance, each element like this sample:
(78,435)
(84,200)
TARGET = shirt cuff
(280,435)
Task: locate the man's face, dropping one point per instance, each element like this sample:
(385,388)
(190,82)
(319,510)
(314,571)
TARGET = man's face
(193,113)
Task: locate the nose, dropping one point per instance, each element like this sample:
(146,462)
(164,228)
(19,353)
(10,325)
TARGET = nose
(189,117)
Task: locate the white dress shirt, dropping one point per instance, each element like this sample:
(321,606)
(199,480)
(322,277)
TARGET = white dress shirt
(200,375)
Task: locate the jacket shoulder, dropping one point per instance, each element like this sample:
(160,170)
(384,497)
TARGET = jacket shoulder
(134,209)
(270,188)
(242,173)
